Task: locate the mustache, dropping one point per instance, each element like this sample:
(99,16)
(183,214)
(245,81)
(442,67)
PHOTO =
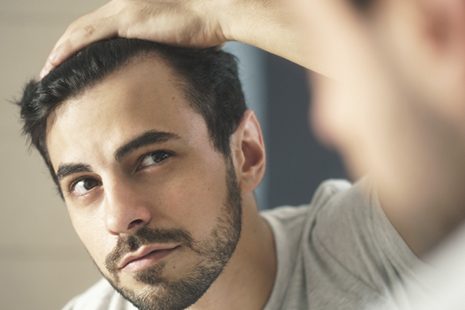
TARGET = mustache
(145,236)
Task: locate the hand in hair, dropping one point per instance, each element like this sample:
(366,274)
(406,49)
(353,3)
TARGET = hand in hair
(278,26)
(185,23)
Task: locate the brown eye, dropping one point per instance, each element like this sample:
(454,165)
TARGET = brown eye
(154,158)
(82,186)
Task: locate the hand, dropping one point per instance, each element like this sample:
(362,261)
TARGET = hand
(184,22)
(288,28)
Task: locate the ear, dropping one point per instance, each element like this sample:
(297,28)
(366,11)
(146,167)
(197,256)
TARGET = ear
(248,152)
(446,23)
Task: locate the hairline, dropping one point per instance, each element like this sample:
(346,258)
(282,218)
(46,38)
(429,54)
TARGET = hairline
(179,81)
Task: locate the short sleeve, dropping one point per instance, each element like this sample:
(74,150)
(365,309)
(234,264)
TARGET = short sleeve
(351,231)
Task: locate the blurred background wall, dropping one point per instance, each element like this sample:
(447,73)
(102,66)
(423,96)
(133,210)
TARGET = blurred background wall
(42,263)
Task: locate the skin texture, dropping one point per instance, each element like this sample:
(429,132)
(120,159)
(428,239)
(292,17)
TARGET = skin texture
(187,196)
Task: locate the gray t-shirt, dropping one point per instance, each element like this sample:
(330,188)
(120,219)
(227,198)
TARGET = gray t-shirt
(338,252)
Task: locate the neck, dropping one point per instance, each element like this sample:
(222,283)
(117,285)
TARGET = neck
(248,278)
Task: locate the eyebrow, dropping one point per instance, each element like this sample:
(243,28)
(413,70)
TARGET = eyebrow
(147,138)
(67,169)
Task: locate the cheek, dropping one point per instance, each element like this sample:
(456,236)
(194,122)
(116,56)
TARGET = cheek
(92,233)
(195,201)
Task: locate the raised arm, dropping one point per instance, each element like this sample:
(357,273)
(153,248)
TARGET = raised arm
(397,113)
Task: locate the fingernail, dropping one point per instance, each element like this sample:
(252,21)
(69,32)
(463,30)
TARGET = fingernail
(45,70)
(42,73)
(53,57)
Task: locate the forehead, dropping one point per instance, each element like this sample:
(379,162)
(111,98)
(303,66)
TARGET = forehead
(144,95)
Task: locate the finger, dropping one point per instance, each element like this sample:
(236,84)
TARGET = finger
(77,38)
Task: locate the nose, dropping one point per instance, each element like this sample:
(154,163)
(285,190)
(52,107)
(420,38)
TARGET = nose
(125,208)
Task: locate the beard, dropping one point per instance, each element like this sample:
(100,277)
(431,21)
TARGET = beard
(215,252)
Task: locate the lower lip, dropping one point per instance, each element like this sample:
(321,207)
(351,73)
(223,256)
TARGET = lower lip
(148,260)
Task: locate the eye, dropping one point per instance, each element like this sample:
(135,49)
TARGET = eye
(83,186)
(154,158)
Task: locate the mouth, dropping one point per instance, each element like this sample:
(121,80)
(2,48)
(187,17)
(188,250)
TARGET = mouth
(146,256)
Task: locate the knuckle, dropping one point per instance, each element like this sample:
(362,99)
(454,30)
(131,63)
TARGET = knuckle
(129,17)
(75,25)
(88,30)
(71,27)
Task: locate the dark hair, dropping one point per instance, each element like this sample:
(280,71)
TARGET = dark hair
(208,77)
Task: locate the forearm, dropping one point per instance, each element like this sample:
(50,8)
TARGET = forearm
(420,175)
(305,32)
(414,156)
(396,112)
(278,27)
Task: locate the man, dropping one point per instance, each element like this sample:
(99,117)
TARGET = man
(154,188)
(343,251)
(157,158)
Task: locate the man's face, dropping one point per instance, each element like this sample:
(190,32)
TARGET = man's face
(157,207)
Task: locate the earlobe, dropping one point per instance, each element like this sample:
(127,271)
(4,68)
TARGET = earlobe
(248,152)
(445,21)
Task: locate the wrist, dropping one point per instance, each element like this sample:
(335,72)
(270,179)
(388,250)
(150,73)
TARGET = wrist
(229,17)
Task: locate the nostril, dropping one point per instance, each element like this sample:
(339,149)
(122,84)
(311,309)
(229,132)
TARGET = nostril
(135,223)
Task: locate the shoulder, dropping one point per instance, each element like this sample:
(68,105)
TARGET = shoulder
(101,296)
(352,231)
(290,224)
(327,194)
(345,223)
(343,233)
(348,219)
